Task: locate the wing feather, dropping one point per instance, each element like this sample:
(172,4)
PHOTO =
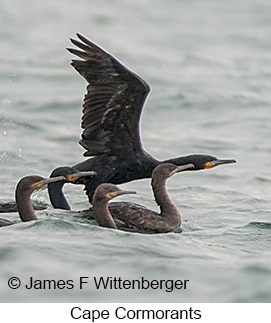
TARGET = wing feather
(113,103)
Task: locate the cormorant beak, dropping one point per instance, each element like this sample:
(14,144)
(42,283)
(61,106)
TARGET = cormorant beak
(75,176)
(47,181)
(218,162)
(181,168)
(118,193)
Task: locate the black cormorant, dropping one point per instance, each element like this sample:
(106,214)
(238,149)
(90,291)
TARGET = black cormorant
(55,190)
(111,115)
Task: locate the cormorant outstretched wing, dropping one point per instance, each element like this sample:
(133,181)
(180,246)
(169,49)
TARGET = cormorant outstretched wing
(113,103)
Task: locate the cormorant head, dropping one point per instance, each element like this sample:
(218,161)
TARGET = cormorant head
(165,170)
(107,191)
(34,182)
(207,161)
(72,174)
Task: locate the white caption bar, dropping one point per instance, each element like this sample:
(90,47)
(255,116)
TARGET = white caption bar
(131,312)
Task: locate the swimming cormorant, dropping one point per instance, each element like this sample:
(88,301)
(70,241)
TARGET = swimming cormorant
(25,187)
(104,193)
(137,218)
(56,195)
(111,115)
(127,215)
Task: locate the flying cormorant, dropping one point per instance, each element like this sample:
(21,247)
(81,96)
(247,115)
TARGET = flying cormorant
(111,116)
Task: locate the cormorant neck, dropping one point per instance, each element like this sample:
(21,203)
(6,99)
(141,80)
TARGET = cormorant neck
(102,214)
(163,200)
(24,206)
(57,197)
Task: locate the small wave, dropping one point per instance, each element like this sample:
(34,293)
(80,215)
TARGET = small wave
(262,179)
(53,224)
(261,225)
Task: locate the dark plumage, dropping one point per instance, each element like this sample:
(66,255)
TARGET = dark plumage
(137,218)
(12,207)
(55,189)
(104,193)
(111,116)
(25,187)
(5,223)
(119,209)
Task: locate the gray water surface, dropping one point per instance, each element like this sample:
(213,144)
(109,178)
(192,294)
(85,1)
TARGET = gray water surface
(209,67)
